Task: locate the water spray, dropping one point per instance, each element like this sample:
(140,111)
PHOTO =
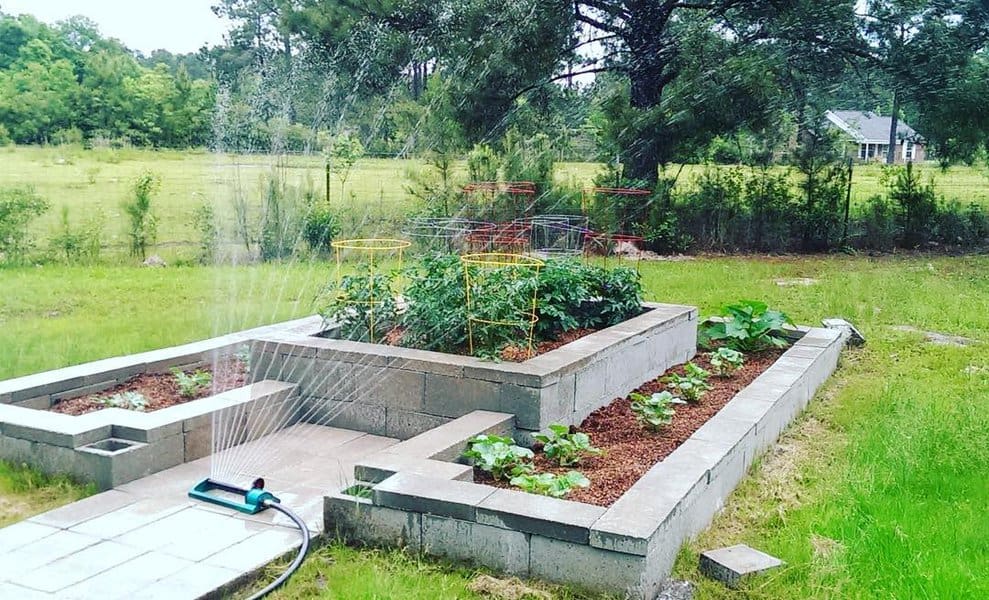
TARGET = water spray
(254,500)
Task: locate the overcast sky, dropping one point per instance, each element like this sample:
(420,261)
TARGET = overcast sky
(145,25)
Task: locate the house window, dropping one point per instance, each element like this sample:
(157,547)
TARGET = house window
(862,151)
(908,150)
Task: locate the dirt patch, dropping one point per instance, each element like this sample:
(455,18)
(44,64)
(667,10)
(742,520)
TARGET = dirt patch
(160,390)
(630,449)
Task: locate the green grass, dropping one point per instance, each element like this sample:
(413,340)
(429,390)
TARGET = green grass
(374,198)
(25,492)
(878,491)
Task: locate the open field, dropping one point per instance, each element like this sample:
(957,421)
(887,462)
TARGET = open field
(879,491)
(374,199)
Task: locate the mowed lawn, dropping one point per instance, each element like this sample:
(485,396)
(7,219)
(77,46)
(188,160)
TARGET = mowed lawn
(879,490)
(373,200)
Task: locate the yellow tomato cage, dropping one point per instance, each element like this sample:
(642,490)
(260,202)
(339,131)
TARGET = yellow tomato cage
(518,264)
(373,251)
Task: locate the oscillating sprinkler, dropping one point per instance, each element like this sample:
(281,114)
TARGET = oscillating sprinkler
(255,500)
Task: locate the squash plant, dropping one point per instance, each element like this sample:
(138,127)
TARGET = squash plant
(747,326)
(565,447)
(499,456)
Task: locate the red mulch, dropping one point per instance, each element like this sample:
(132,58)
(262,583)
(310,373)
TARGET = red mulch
(629,448)
(160,389)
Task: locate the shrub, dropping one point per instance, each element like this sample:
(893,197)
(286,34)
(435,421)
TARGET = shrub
(279,228)
(748,325)
(877,220)
(548,484)
(655,411)
(566,447)
(499,456)
(74,244)
(319,228)
(204,221)
(18,206)
(142,223)
(917,203)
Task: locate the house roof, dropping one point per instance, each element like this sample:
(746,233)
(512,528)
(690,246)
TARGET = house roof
(868,127)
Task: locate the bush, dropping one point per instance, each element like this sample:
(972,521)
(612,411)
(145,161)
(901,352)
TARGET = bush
(82,244)
(142,223)
(917,204)
(280,226)
(204,221)
(436,317)
(319,228)
(18,206)
(876,222)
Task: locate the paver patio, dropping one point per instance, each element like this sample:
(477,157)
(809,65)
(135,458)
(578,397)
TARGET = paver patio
(148,539)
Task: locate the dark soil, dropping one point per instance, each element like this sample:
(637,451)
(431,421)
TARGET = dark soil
(160,389)
(629,449)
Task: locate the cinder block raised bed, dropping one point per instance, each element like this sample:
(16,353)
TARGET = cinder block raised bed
(112,446)
(402,392)
(422,500)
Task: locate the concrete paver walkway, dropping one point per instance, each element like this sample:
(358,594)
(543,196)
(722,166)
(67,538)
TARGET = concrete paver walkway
(148,539)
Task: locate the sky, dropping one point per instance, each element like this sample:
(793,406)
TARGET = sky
(176,25)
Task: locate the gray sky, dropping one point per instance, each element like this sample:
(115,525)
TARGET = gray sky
(145,25)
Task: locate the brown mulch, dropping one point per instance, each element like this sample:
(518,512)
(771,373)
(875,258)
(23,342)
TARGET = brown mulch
(160,389)
(629,449)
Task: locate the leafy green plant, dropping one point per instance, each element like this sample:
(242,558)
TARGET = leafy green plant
(655,411)
(363,304)
(142,224)
(193,383)
(319,228)
(548,484)
(204,221)
(692,384)
(127,400)
(747,326)
(18,206)
(436,316)
(499,456)
(565,447)
(726,361)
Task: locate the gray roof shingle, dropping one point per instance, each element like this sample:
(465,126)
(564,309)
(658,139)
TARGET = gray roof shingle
(868,127)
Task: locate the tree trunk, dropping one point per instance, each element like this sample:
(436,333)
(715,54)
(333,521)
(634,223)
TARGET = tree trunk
(893,122)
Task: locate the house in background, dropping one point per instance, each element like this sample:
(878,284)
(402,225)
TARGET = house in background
(867,136)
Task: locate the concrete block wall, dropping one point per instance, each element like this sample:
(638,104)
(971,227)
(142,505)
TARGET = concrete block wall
(401,392)
(628,548)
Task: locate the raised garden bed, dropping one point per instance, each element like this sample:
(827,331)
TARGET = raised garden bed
(629,450)
(112,446)
(402,392)
(160,390)
(422,498)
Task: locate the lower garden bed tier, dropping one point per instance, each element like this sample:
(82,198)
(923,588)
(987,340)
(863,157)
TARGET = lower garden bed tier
(626,548)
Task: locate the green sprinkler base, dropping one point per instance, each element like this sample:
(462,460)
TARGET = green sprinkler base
(215,492)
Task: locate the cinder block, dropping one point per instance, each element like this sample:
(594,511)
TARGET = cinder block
(84,390)
(198,443)
(541,515)
(730,565)
(37,403)
(347,415)
(394,388)
(404,424)
(455,397)
(525,403)
(500,549)
(443,497)
(381,466)
(594,569)
(15,450)
(448,442)
(354,519)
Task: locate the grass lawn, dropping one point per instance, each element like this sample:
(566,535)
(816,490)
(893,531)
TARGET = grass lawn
(374,199)
(878,491)
(24,492)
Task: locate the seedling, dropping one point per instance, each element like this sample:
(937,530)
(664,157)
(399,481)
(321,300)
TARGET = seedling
(567,448)
(126,400)
(655,411)
(726,361)
(192,384)
(499,456)
(692,384)
(548,484)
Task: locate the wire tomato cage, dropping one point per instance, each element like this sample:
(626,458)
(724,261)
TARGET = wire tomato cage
(485,276)
(518,193)
(372,253)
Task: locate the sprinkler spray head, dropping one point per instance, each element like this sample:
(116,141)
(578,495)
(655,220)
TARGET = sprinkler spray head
(255,500)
